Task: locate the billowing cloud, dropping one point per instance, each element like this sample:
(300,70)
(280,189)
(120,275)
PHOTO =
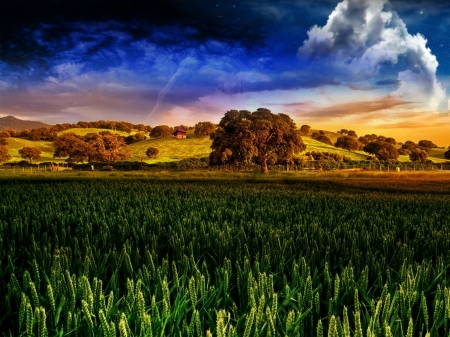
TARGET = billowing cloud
(366,39)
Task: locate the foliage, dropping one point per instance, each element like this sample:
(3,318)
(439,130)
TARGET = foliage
(161,131)
(4,154)
(137,137)
(304,129)
(193,258)
(243,137)
(418,154)
(30,153)
(447,154)
(204,129)
(409,145)
(382,150)
(428,144)
(324,139)
(152,152)
(3,141)
(102,147)
(348,142)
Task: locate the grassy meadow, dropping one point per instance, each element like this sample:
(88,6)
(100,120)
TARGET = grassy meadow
(225,254)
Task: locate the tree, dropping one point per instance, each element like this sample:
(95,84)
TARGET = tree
(4,155)
(418,154)
(409,145)
(152,152)
(447,154)
(403,152)
(304,129)
(30,153)
(161,131)
(324,139)
(382,150)
(427,144)
(137,137)
(348,142)
(343,131)
(102,147)
(244,137)
(3,141)
(72,146)
(391,140)
(204,129)
(352,133)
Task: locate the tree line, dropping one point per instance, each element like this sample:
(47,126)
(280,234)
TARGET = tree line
(241,138)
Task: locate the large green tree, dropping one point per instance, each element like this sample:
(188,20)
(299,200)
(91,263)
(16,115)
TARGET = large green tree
(245,137)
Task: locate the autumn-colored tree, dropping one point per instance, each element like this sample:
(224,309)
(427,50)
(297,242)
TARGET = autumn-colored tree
(403,152)
(324,139)
(409,145)
(4,134)
(92,147)
(152,152)
(243,137)
(3,141)
(364,140)
(30,153)
(348,142)
(4,155)
(343,131)
(161,131)
(427,144)
(382,150)
(391,140)
(304,129)
(72,146)
(418,154)
(204,129)
(352,133)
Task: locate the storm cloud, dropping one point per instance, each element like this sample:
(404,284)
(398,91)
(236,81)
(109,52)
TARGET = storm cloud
(367,39)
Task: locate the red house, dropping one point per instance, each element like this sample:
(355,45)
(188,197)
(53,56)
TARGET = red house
(179,133)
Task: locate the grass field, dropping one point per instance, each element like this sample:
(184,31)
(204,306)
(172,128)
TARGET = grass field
(217,254)
(172,149)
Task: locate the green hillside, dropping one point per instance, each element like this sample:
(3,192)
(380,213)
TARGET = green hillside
(173,149)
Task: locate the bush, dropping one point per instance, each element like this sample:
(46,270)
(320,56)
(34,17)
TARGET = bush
(152,152)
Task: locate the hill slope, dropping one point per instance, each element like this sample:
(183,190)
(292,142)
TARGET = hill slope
(173,149)
(11,122)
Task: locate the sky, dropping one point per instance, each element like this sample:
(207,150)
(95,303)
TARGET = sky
(373,66)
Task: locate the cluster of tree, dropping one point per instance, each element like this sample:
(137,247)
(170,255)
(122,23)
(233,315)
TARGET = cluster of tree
(346,132)
(382,150)
(304,130)
(161,131)
(137,137)
(417,152)
(321,137)
(49,133)
(330,156)
(204,129)
(259,137)
(101,147)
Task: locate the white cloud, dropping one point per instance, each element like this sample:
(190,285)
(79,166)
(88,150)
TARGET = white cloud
(366,39)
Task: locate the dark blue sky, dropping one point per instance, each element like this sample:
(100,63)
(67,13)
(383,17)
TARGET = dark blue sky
(371,63)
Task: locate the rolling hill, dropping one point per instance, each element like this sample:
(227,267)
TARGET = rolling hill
(173,149)
(11,122)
